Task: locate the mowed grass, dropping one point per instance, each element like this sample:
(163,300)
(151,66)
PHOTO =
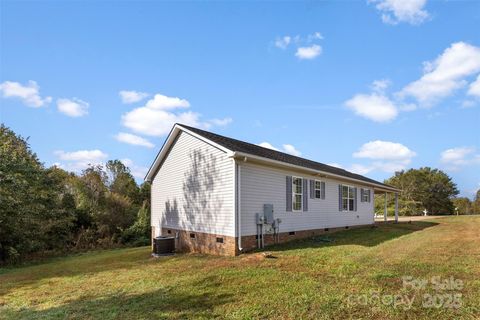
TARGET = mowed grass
(309,279)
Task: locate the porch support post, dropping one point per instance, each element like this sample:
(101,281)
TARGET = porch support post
(385,211)
(396,207)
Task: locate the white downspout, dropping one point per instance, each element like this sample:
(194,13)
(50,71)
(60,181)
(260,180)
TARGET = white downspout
(239,212)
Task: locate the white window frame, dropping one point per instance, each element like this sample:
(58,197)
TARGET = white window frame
(319,189)
(366,195)
(348,198)
(294,193)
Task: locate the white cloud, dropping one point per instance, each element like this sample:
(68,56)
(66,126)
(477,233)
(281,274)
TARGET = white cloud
(158,116)
(133,140)
(291,150)
(161,102)
(138,172)
(220,122)
(468,103)
(283,42)
(287,148)
(314,36)
(82,155)
(306,46)
(395,11)
(391,166)
(268,146)
(474,88)
(384,150)
(79,160)
(308,53)
(385,166)
(73,107)
(454,158)
(389,157)
(373,106)
(132,96)
(28,94)
(380,86)
(445,75)
(157,122)
(360,169)
(407,107)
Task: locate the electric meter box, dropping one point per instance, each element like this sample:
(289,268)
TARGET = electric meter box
(268,213)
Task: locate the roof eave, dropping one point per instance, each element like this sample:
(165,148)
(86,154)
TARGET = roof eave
(245,156)
(161,154)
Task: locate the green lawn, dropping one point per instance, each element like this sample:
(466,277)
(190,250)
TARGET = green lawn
(306,279)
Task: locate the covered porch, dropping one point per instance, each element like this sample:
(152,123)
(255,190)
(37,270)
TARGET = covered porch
(387,194)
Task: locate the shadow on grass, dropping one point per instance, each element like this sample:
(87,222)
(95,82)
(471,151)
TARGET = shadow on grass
(168,302)
(368,236)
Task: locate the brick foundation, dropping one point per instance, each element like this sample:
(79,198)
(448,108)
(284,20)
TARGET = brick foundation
(200,242)
(250,242)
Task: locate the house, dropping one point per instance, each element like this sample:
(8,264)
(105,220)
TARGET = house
(224,196)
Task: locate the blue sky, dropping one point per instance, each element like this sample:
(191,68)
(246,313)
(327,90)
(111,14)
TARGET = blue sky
(372,87)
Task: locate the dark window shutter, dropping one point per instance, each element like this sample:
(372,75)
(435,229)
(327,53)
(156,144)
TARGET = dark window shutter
(361,194)
(312,189)
(340,208)
(323,190)
(305,195)
(289,193)
(355,199)
(369,195)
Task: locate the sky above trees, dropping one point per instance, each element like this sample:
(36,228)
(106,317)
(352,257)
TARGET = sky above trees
(373,87)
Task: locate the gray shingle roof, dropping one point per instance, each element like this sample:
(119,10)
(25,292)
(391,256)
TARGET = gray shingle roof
(253,149)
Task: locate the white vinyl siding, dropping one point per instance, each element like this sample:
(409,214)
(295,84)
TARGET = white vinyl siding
(266,185)
(194,189)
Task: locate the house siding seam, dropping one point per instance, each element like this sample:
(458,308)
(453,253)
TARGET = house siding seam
(193,189)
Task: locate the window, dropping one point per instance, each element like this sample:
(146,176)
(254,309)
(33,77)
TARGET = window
(348,198)
(365,195)
(297,193)
(318,189)
(219,240)
(192,235)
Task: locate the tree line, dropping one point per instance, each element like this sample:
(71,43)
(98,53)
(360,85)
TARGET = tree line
(426,189)
(50,211)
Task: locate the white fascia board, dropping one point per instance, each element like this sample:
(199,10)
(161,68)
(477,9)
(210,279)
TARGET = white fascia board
(161,154)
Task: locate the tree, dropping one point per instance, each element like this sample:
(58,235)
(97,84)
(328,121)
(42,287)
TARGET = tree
(424,188)
(476,203)
(463,204)
(50,209)
(31,214)
(121,181)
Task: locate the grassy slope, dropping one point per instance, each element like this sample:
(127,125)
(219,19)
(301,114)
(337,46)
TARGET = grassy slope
(308,279)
